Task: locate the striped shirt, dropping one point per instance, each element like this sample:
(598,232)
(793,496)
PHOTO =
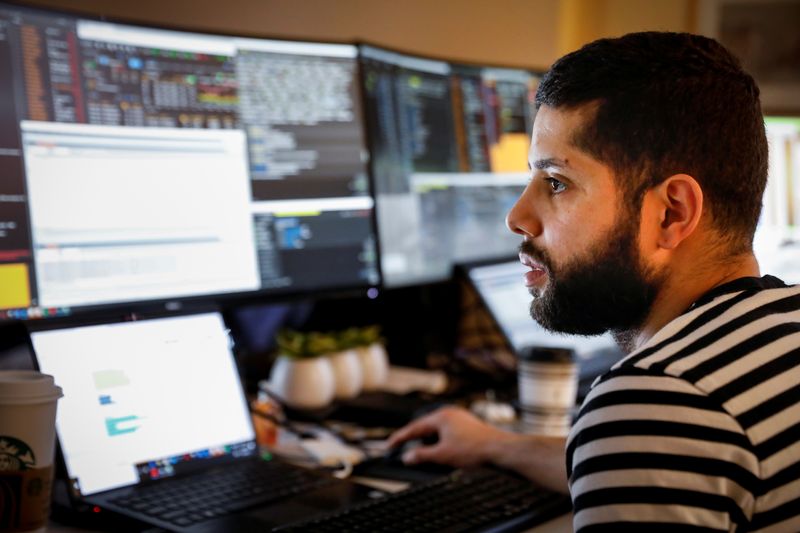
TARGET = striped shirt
(698,430)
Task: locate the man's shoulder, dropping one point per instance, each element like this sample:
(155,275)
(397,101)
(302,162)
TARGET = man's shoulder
(639,393)
(717,342)
(644,419)
(726,366)
(706,412)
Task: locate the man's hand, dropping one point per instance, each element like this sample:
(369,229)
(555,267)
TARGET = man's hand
(463,439)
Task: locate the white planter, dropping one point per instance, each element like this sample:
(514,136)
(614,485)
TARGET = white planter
(374,364)
(347,374)
(303,383)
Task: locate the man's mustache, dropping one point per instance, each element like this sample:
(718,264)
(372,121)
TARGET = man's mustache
(540,256)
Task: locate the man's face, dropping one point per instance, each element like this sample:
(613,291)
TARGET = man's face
(579,241)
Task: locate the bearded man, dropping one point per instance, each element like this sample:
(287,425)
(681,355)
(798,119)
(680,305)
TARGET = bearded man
(648,163)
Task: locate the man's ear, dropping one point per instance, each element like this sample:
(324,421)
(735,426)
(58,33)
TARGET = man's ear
(678,204)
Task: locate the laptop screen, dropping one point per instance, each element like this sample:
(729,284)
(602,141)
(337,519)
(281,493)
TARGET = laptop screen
(502,289)
(141,397)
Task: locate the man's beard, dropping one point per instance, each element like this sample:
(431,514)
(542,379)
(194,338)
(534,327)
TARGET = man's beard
(606,289)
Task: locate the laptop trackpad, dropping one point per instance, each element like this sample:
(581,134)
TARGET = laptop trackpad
(318,502)
(297,509)
(238,523)
(260,520)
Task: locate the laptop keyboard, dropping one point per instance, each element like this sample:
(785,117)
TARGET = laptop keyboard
(464,501)
(186,501)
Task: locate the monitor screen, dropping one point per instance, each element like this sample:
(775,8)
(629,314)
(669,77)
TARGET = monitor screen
(449,156)
(777,239)
(142,397)
(143,164)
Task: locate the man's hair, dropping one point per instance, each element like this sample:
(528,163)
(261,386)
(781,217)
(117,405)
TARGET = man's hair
(670,103)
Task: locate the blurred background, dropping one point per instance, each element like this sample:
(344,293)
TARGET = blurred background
(523,34)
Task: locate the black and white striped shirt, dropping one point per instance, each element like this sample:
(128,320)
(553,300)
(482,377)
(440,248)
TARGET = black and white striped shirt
(698,430)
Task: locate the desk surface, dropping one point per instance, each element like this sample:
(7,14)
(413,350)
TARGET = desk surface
(561,524)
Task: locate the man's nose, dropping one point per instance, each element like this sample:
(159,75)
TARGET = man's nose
(522,219)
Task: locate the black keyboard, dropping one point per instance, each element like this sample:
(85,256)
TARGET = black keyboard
(466,500)
(189,500)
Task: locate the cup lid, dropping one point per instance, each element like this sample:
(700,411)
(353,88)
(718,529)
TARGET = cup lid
(27,386)
(539,354)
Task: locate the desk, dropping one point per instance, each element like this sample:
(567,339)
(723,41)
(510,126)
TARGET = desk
(516,487)
(92,522)
(561,524)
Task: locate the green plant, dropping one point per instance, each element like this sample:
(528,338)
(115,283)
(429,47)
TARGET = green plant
(300,345)
(371,335)
(357,337)
(349,338)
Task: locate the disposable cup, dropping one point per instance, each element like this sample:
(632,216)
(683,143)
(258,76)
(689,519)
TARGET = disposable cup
(548,384)
(27,441)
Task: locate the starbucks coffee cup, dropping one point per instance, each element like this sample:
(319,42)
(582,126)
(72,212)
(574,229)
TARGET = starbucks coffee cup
(27,444)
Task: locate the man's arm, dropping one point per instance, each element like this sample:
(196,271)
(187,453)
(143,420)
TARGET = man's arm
(465,441)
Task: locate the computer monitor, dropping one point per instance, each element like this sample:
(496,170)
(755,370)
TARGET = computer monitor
(147,165)
(449,148)
(777,239)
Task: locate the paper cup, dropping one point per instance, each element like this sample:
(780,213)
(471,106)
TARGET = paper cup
(27,443)
(548,385)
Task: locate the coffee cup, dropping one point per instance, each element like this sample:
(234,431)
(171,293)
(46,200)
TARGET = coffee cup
(548,385)
(27,443)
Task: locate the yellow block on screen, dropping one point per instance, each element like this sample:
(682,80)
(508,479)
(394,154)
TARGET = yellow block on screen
(511,153)
(14,288)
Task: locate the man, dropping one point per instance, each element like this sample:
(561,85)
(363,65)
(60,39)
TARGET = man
(648,162)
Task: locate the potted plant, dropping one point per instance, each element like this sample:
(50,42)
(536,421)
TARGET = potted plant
(373,357)
(300,376)
(347,371)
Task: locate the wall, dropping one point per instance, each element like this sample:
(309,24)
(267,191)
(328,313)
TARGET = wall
(510,32)
(526,33)
(582,21)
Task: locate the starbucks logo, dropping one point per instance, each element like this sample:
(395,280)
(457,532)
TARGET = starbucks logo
(35,487)
(15,455)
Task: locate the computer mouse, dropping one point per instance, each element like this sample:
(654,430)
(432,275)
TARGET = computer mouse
(395,455)
(391,466)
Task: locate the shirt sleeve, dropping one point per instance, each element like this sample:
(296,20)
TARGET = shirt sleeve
(653,453)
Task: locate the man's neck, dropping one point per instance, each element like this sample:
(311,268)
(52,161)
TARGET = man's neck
(681,290)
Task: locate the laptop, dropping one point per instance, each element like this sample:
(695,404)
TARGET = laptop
(154,425)
(500,287)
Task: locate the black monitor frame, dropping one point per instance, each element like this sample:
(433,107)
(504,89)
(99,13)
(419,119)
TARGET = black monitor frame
(124,310)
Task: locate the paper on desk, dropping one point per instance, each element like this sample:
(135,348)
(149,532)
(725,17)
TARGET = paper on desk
(403,380)
(329,452)
(386,485)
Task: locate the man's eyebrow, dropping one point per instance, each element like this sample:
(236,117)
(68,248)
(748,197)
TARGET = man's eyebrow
(542,164)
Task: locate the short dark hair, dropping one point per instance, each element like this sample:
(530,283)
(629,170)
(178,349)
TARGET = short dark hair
(670,103)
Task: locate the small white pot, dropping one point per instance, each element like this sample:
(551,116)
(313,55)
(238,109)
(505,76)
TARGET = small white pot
(303,383)
(374,364)
(347,374)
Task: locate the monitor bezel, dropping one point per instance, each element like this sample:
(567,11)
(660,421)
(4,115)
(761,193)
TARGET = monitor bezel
(188,303)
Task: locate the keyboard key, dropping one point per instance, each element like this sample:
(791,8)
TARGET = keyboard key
(206,496)
(463,501)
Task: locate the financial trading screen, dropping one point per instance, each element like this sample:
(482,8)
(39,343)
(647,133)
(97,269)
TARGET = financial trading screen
(146,164)
(449,148)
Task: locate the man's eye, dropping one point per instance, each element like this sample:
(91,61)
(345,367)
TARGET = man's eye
(555,185)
